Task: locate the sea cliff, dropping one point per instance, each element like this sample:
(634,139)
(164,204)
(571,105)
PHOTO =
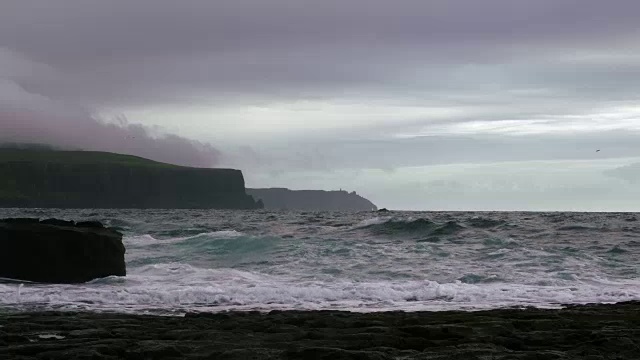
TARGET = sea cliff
(84,179)
(311,200)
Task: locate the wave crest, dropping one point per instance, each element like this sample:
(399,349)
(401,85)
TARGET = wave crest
(420,226)
(163,287)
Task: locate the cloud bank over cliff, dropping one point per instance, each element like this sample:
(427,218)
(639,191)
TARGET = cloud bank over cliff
(37,118)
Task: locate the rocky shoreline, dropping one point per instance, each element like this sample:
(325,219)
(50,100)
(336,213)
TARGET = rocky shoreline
(594,331)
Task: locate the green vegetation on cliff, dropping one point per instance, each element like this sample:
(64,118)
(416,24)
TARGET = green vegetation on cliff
(91,179)
(76,157)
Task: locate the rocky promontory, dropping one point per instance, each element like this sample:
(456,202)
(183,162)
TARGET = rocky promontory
(58,251)
(311,200)
(577,332)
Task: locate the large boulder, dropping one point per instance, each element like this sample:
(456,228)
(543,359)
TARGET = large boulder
(58,251)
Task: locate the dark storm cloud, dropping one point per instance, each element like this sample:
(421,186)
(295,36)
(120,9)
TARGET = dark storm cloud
(121,29)
(135,52)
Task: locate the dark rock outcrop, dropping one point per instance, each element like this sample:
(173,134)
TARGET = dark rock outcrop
(311,200)
(58,251)
(85,179)
(579,332)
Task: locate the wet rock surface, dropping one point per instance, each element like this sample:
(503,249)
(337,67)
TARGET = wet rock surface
(576,332)
(59,251)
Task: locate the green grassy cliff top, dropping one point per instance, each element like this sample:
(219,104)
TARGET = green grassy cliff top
(76,157)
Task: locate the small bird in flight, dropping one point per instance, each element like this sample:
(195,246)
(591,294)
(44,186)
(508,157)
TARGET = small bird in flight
(598,150)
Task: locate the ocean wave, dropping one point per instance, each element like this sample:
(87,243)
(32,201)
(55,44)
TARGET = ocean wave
(373,221)
(402,260)
(577,227)
(485,223)
(155,288)
(219,248)
(150,239)
(420,226)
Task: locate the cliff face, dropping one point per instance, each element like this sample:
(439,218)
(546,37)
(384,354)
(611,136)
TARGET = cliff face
(318,200)
(102,180)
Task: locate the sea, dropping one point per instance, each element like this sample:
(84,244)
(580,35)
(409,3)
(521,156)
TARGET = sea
(182,261)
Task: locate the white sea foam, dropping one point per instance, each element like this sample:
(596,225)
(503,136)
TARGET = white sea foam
(50,337)
(179,287)
(150,239)
(323,266)
(373,221)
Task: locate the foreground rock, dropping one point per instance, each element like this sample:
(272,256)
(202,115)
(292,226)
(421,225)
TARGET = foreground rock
(57,251)
(581,332)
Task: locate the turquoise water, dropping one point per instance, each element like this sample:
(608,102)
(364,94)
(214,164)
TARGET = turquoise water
(182,260)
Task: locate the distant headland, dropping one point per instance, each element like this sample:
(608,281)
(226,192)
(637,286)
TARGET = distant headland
(40,177)
(311,200)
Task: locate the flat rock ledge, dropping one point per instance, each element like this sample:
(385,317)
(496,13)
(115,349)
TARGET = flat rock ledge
(575,332)
(59,251)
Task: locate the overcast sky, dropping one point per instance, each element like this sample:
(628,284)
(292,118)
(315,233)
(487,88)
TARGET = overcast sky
(434,105)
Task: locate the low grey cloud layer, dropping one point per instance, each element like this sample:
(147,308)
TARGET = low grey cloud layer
(30,118)
(630,173)
(82,132)
(284,88)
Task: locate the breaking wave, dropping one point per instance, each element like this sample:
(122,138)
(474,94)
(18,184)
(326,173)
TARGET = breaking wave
(175,288)
(186,260)
(420,226)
